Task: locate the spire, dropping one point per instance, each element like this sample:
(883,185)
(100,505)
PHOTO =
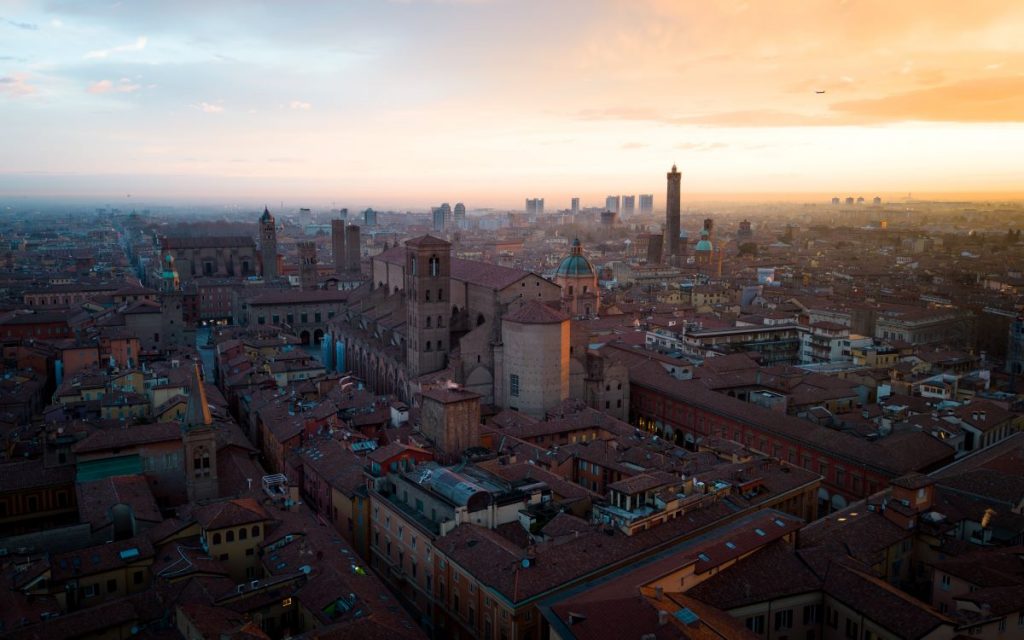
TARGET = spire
(197,413)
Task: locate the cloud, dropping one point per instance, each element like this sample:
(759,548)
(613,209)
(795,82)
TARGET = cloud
(16,84)
(999,99)
(138,45)
(207,107)
(701,146)
(124,85)
(635,145)
(298,105)
(749,118)
(27,26)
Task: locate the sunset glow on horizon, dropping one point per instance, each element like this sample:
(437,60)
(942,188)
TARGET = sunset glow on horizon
(411,103)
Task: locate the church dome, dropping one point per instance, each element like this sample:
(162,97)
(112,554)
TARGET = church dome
(704,244)
(575,264)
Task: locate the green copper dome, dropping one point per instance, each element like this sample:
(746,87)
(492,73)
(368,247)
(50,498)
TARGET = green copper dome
(703,244)
(575,264)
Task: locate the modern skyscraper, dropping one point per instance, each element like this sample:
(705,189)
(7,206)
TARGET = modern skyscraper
(1015,351)
(628,206)
(370,218)
(672,215)
(535,206)
(460,215)
(611,203)
(574,208)
(268,244)
(437,213)
(646,204)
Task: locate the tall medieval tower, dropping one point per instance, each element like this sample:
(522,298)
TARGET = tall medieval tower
(672,252)
(268,244)
(307,265)
(172,317)
(428,305)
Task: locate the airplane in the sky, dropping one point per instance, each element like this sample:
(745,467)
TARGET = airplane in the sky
(819,92)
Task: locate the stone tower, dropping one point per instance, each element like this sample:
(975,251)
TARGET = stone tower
(672,216)
(172,317)
(307,265)
(268,245)
(352,248)
(338,245)
(428,304)
(200,443)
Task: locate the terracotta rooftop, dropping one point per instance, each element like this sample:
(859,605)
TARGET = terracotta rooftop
(533,312)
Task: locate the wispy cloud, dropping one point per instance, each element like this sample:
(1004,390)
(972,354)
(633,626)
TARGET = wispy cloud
(701,146)
(138,45)
(635,145)
(124,85)
(209,107)
(298,105)
(16,84)
(27,26)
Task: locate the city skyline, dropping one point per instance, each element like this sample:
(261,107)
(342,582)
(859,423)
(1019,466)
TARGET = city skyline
(402,103)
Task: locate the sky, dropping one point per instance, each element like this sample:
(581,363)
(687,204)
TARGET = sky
(415,102)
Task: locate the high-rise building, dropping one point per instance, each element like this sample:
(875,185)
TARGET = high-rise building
(460,215)
(646,204)
(574,208)
(338,245)
(437,214)
(611,203)
(835,201)
(370,218)
(628,206)
(268,244)
(307,264)
(672,215)
(534,206)
(1015,348)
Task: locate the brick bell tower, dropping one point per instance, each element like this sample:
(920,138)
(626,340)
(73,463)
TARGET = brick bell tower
(428,304)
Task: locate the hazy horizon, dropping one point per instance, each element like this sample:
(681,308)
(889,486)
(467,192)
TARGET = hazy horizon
(490,102)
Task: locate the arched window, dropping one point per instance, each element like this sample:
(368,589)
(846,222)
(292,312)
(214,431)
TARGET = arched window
(440,345)
(584,288)
(480,319)
(412,266)
(243,533)
(216,538)
(570,289)
(440,295)
(428,295)
(435,266)
(428,346)
(229,536)
(428,322)
(440,322)
(255,530)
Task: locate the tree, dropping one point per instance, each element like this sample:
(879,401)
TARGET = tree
(748,249)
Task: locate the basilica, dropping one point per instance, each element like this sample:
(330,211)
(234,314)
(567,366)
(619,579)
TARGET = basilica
(429,319)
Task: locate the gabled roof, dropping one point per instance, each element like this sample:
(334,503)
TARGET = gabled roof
(231,513)
(427,241)
(534,312)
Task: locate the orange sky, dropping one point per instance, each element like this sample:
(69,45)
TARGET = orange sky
(416,102)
